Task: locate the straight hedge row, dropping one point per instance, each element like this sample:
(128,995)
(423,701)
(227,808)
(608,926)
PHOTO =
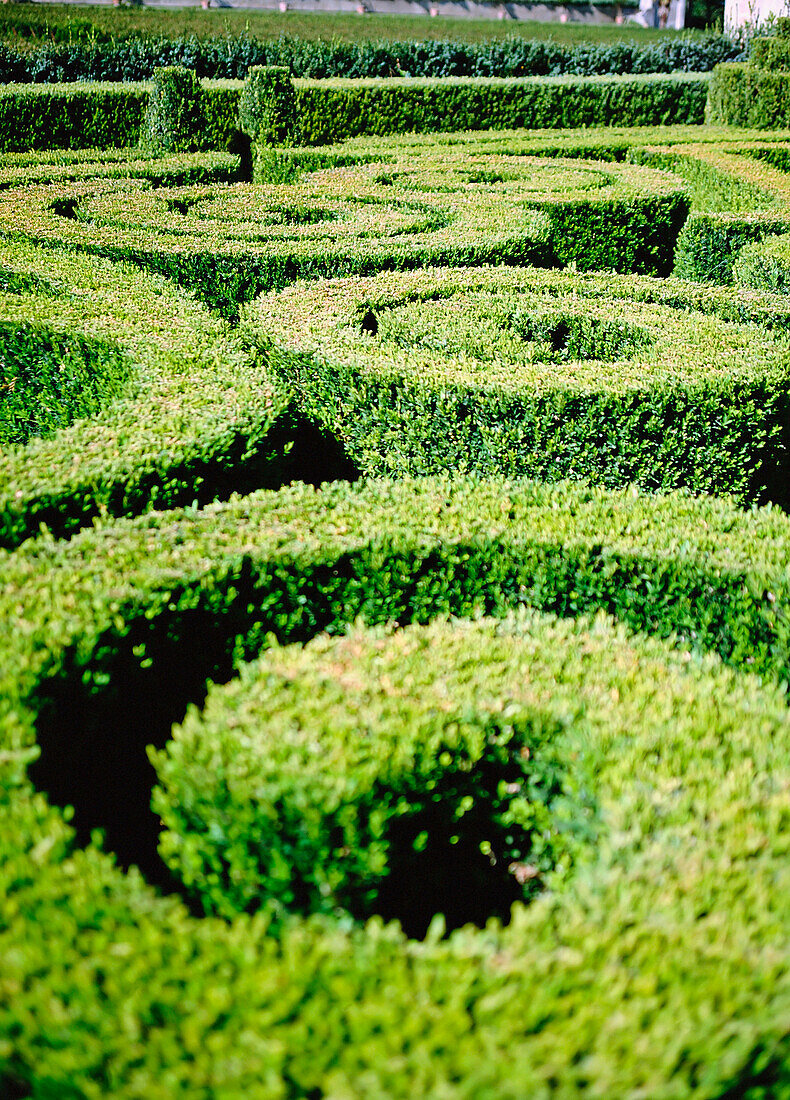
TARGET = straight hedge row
(230,57)
(207,1006)
(88,115)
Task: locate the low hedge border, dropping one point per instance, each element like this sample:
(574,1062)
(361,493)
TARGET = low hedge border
(196,403)
(101,115)
(332,110)
(539,374)
(297,560)
(404,213)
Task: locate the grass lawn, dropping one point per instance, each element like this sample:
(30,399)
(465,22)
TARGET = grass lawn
(28,22)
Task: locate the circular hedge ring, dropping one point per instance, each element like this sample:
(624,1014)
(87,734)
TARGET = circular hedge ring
(230,242)
(546,374)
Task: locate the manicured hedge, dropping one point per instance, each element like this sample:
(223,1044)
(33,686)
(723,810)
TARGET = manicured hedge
(765,266)
(739,194)
(35,116)
(47,379)
(350,775)
(197,409)
(101,115)
(684,891)
(334,110)
(744,95)
(230,57)
(229,244)
(541,374)
(654,961)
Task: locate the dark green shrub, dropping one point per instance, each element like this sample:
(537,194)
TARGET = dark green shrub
(71,116)
(334,110)
(231,57)
(709,244)
(174,111)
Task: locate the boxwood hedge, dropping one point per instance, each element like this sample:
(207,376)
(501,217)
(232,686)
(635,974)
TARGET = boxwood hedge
(616,980)
(229,243)
(195,407)
(653,962)
(540,373)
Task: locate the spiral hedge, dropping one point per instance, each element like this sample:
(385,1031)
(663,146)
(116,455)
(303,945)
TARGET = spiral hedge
(709,930)
(590,677)
(536,373)
(233,241)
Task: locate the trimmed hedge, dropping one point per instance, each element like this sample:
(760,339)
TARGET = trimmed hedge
(290,791)
(230,58)
(174,112)
(47,379)
(70,115)
(195,412)
(333,110)
(744,95)
(765,266)
(102,115)
(739,194)
(561,992)
(535,373)
(441,208)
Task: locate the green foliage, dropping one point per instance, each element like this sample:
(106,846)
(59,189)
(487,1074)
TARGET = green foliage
(770,53)
(329,111)
(176,113)
(765,266)
(267,107)
(689,769)
(173,115)
(647,826)
(47,379)
(729,95)
(540,374)
(72,116)
(405,208)
(289,792)
(195,408)
(708,245)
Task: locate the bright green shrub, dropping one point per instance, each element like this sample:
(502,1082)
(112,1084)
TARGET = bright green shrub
(288,792)
(739,194)
(267,107)
(401,211)
(173,114)
(195,410)
(765,266)
(548,375)
(756,93)
(684,891)
(47,379)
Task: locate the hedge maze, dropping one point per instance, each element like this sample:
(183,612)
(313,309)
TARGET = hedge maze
(394,596)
